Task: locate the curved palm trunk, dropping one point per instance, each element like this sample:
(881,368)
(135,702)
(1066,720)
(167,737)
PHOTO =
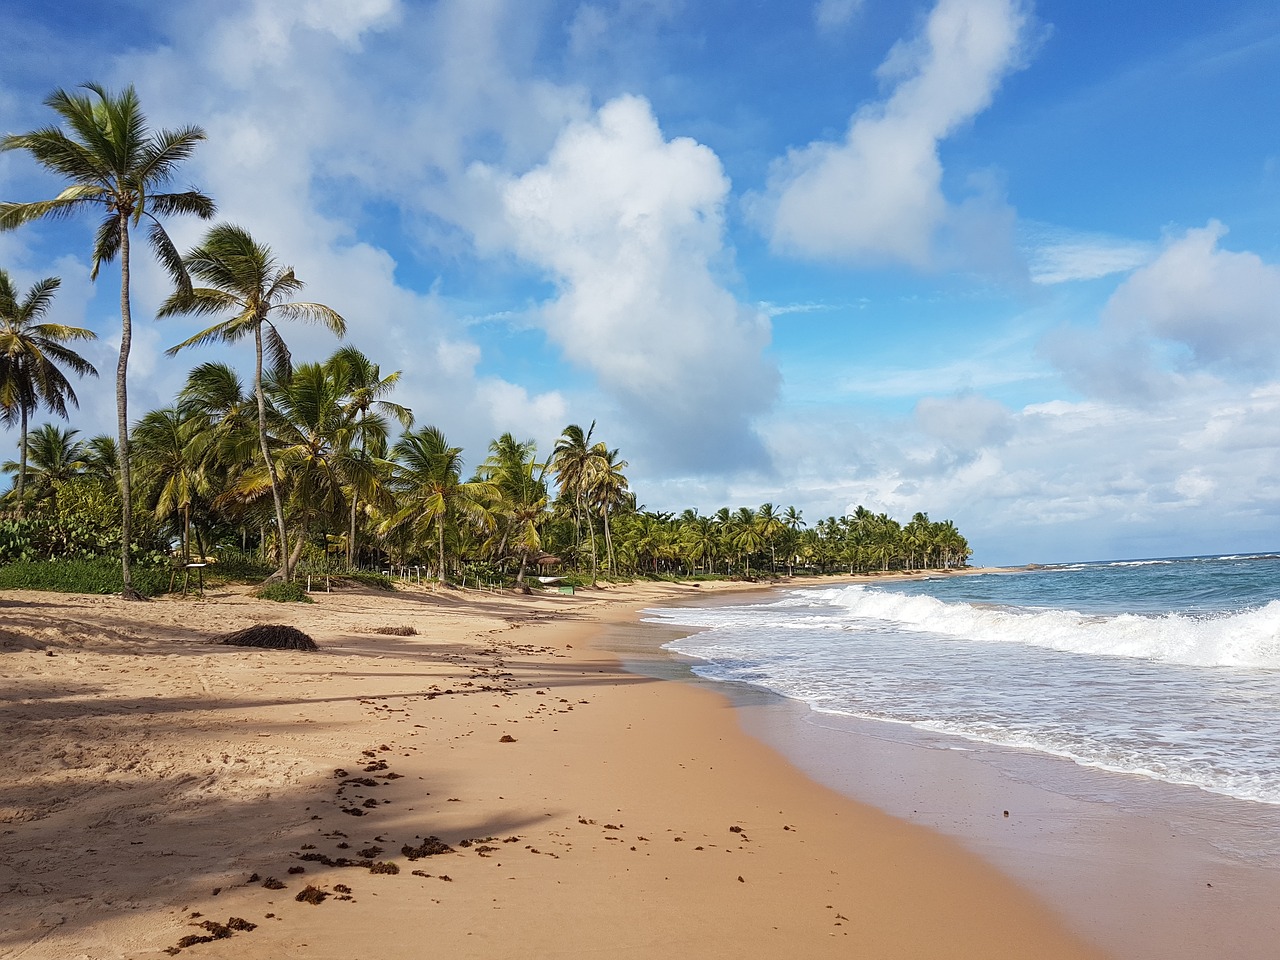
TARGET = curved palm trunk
(122,415)
(286,559)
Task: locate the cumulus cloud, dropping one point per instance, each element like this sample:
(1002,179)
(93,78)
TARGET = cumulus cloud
(1195,311)
(877,195)
(630,227)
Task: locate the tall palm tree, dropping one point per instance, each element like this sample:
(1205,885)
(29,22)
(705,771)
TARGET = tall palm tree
(608,489)
(366,389)
(574,466)
(243,279)
(770,525)
(116,165)
(431,492)
(30,352)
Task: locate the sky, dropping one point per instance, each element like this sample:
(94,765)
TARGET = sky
(1011,263)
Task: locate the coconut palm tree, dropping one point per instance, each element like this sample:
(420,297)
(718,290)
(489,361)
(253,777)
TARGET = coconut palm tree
(171,451)
(431,493)
(576,464)
(366,388)
(315,453)
(608,490)
(520,481)
(30,355)
(243,279)
(54,457)
(115,165)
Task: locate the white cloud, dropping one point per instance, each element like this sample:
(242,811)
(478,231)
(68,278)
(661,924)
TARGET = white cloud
(1195,312)
(1057,255)
(877,195)
(831,15)
(1223,306)
(630,226)
(965,422)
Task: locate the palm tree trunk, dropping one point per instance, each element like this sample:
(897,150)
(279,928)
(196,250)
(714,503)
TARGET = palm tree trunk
(22,464)
(285,564)
(608,542)
(122,416)
(440,531)
(351,535)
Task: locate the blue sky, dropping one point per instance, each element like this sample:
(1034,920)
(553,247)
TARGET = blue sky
(1012,263)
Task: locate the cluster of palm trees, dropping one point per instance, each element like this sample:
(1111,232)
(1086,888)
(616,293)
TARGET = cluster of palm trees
(303,458)
(746,542)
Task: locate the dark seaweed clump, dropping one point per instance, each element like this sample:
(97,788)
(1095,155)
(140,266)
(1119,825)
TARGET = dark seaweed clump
(270,636)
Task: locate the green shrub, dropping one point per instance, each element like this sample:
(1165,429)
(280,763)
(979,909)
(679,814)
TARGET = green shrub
(292,592)
(91,575)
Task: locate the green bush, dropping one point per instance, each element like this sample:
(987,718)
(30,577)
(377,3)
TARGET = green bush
(292,592)
(92,575)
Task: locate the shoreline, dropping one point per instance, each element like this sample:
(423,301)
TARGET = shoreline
(154,775)
(1144,869)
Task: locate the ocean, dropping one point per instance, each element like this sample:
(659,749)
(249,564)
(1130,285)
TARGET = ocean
(1166,670)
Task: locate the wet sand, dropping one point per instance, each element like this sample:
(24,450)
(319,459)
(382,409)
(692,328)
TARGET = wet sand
(165,794)
(1143,869)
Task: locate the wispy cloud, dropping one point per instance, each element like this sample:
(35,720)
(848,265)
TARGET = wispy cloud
(1060,255)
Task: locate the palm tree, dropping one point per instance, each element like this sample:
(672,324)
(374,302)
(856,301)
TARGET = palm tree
(365,388)
(575,465)
(315,452)
(115,164)
(30,352)
(520,481)
(431,492)
(172,454)
(243,279)
(770,524)
(608,489)
(54,457)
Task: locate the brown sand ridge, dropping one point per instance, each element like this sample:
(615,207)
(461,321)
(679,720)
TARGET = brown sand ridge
(489,786)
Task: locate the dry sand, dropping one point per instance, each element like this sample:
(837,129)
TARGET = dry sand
(154,782)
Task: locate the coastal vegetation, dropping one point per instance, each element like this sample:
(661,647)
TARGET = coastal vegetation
(301,473)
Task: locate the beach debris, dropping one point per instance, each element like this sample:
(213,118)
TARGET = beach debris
(312,895)
(430,847)
(1006,813)
(215,931)
(271,883)
(397,631)
(384,866)
(506,738)
(270,636)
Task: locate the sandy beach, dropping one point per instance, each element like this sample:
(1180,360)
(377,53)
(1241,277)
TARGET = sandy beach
(160,788)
